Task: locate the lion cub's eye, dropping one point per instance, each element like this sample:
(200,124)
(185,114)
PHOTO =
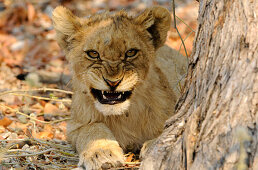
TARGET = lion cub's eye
(92,54)
(131,53)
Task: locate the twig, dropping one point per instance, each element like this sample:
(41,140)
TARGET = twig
(185,24)
(58,165)
(7,140)
(133,163)
(118,168)
(40,89)
(31,154)
(70,166)
(76,158)
(19,150)
(174,15)
(67,154)
(182,43)
(32,118)
(60,120)
(42,98)
(185,39)
(52,144)
(179,83)
(16,111)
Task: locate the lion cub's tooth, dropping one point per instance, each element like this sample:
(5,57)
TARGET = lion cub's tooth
(104,97)
(119,97)
(102,92)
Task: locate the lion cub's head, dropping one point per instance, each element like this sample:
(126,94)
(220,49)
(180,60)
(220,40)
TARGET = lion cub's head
(110,54)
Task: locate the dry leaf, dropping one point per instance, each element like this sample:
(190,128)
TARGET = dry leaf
(31,12)
(5,122)
(45,135)
(48,127)
(51,109)
(37,108)
(129,158)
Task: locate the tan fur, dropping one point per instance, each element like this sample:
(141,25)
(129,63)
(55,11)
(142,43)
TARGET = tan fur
(101,132)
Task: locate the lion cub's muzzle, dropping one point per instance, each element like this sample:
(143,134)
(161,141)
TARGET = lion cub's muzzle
(111,97)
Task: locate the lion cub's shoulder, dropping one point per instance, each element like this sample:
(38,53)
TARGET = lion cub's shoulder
(173,65)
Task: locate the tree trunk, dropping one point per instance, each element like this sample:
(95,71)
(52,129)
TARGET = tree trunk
(216,122)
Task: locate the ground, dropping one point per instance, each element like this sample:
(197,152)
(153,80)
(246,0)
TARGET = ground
(35,93)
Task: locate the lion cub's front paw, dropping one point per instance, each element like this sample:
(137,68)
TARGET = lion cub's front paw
(101,155)
(101,159)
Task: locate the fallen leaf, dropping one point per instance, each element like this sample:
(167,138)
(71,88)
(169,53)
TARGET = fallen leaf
(48,127)
(51,109)
(5,122)
(44,135)
(37,108)
(17,101)
(5,135)
(43,103)
(129,158)
(31,12)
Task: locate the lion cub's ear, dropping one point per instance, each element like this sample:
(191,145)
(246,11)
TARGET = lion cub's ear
(157,21)
(66,24)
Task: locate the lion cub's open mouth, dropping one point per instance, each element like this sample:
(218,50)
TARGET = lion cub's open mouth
(110,97)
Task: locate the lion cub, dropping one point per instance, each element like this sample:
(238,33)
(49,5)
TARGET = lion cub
(124,81)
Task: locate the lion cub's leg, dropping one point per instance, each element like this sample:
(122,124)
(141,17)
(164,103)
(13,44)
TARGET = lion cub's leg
(97,147)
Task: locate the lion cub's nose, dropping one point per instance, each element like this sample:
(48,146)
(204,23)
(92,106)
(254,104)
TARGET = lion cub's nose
(112,84)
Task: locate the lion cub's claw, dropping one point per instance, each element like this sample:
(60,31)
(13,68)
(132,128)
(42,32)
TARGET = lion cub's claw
(101,159)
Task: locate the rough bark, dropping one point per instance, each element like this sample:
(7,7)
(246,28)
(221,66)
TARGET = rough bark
(216,122)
